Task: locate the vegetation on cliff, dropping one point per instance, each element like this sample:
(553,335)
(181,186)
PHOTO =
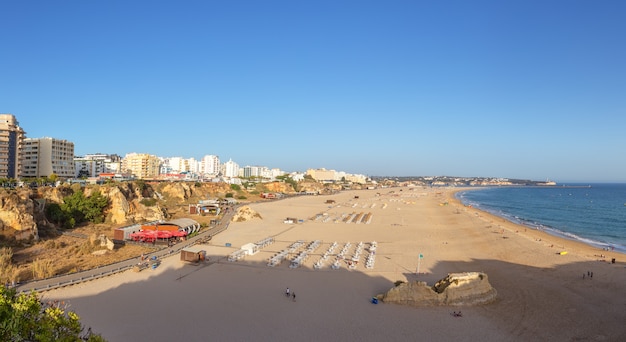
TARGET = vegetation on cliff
(78,208)
(50,231)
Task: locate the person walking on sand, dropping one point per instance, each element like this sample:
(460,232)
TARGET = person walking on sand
(294,296)
(287,293)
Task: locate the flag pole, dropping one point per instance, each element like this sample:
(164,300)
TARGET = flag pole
(419,259)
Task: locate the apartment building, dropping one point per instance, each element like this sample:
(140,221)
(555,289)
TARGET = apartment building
(141,165)
(230,169)
(92,165)
(210,165)
(42,157)
(322,175)
(11,139)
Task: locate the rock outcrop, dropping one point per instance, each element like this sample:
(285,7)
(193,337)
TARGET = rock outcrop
(17,211)
(22,210)
(245,213)
(457,289)
(179,190)
(125,205)
(281,187)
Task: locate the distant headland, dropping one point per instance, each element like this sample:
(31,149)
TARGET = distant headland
(459,181)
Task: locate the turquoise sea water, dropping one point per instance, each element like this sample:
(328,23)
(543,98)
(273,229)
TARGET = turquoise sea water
(591,213)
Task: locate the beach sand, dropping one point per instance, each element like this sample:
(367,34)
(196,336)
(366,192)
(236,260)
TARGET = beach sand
(542,295)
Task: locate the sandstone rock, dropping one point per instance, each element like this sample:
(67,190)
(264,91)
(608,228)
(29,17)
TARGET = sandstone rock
(281,187)
(245,213)
(457,289)
(179,190)
(142,213)
(53,194)
(119,208)
(16,213)
(106,242)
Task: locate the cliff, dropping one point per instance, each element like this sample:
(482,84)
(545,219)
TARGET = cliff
(17,214)
(22,211)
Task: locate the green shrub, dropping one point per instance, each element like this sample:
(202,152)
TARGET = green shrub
(149,202)
(77,208)
(26,317)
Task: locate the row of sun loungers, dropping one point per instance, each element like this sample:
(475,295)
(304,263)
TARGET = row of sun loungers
(280,256)
(265,242)
(325,256)
(356,256)
(237,255)
(371,257)
(353,217)
(302,256)
(340,256)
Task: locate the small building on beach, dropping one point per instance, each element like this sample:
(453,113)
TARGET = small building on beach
(192,254)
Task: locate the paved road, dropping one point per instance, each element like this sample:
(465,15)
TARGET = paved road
(103,271)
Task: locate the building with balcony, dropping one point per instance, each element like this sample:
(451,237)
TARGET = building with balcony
(141,165)
(93,165)
(11,140)
(322,175)
(42,157)
(210,165)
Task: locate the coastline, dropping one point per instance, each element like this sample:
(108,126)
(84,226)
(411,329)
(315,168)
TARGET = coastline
(553,240)
(244,300)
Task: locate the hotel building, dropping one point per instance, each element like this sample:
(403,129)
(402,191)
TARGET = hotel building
(11,139)
(42,157)
(141,165)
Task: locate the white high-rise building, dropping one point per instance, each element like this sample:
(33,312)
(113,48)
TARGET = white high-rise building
(175,164)
(192,166)
(210,165)
(43,157)
(92,165)
(230,169)
(11,140)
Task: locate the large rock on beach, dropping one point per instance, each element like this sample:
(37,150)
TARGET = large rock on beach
(457,289)
(245,213)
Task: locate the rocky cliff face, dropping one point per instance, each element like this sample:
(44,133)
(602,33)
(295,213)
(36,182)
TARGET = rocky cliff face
(457,289)
(279,187)
(125,206)
(22,211)
(17,214)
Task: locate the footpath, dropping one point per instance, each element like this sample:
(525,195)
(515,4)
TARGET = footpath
(107,270)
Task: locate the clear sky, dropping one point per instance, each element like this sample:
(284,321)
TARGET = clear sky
(519,89)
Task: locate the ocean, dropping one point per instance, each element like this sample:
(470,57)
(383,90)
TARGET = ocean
(594,214)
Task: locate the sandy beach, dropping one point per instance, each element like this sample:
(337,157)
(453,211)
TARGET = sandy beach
(542,295)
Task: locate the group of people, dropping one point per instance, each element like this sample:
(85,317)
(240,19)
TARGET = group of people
(457,314)
(290,294)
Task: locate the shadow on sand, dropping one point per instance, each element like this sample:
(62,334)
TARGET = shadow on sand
(244,300)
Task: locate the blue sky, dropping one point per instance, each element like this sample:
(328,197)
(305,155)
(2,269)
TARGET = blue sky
(517,89)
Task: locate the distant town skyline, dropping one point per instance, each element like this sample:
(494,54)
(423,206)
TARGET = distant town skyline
(522,90)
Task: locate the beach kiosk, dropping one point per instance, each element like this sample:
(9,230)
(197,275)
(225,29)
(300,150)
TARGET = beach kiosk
(192,254)
(250,248)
